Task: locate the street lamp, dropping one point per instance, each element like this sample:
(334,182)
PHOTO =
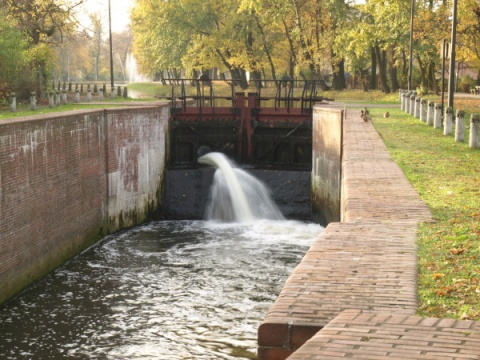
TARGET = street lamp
(451,81)
(410,68)
(111,47)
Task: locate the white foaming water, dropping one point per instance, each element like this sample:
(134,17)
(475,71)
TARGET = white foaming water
(164,290)
(235,195)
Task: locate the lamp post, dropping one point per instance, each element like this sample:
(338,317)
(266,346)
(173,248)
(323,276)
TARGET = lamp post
(410,67)
(451,81)
(111,47)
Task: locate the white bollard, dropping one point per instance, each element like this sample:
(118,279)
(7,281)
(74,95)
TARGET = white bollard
(112,93)
(460,126)
(437,119)
(33,101)
(407,102)
(447,124)
(13,102)
(89,95)
(412,105)
(77,96)
(416,112)
(474,130)
(423,110)
(51,99)
(100,94)
(58,98)
(64,96)
(431,113)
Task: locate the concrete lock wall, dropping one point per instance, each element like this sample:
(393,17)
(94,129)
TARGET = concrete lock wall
(326,164)
(68,179)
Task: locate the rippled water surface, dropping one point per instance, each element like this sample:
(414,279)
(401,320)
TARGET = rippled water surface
(166,290)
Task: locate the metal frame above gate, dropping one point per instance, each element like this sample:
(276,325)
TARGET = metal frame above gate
(252,134)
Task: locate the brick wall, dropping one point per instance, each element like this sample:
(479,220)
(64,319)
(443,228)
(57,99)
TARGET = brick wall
(69,178)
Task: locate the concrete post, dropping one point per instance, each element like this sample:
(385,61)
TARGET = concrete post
(400,93)
(416,112)
(33,101)
(423,110)
(407,101)
(403,105)
(51,99)
(13,102)
(119,91)
(447,124)
(112,93)
(460,126)
(89,95)
(125,92)
(64,96)
(77,96)
(100,94)
(58,99)
(474,130)
(431,111)
(437,119)
(412,105)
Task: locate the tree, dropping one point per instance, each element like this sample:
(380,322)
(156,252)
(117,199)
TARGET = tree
(43,22)
(13,57)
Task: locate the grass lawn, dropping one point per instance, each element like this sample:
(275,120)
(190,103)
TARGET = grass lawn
(447,176)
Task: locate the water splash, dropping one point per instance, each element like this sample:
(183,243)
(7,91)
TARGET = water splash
(235,195)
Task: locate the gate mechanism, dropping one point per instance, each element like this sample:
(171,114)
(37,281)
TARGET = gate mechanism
(260,131)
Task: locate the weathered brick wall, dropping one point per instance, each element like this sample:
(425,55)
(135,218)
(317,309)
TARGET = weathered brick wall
(136,161)
(69,178)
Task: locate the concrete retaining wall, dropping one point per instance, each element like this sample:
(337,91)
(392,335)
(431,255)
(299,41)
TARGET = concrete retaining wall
(67,179)
(326,165)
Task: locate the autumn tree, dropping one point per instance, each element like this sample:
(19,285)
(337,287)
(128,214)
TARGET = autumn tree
(13,56)
(43,23)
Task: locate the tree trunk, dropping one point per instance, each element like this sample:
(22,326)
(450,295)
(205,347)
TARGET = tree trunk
(431,77)
(373,73)
(393,72)
(338,82)
(266,48)
(382,66)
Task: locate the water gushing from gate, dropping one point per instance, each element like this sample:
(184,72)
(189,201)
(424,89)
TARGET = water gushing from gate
(235,195)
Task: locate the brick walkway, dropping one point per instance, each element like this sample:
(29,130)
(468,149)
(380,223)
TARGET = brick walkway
(365,263)
(363,335)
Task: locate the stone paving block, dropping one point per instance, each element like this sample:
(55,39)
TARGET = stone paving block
(369,335)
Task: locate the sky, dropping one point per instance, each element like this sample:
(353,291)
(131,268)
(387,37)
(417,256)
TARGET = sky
(119,9)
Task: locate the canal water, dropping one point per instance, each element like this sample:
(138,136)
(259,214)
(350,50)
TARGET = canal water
(164,290)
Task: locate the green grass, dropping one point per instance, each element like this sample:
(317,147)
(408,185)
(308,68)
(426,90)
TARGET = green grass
(24,110)
(447,176)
